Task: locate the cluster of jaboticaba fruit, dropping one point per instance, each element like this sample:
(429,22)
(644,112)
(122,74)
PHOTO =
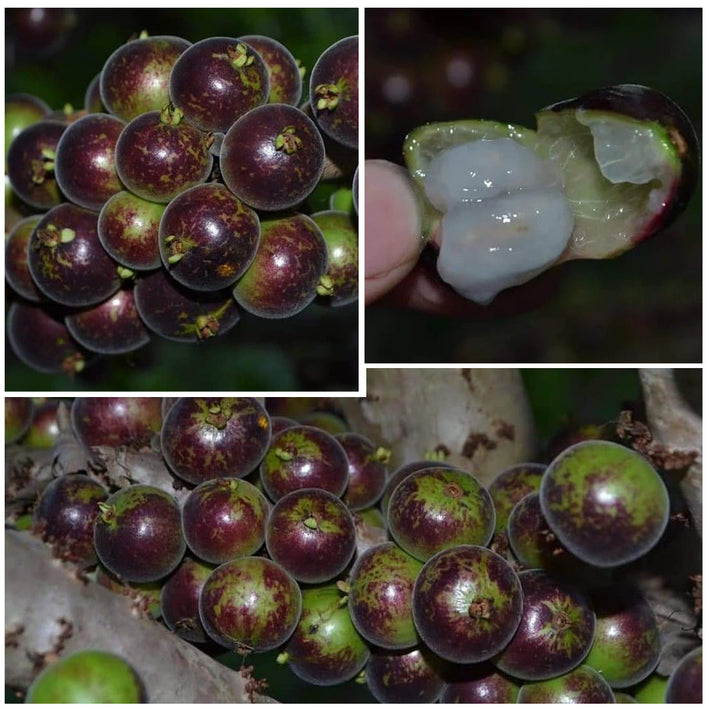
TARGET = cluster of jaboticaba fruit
(177,197)
(515,592)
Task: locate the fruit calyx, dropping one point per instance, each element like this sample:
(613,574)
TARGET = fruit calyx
(107,512)
(326,286)
(453,490)
(171,115)
(480,609)
(328,96)
(288,141)
(73,364)
(43,166)
(218,415)
(239,56)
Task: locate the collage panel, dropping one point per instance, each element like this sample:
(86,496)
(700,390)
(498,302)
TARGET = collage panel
(179,203)
(457,535)
(532,185)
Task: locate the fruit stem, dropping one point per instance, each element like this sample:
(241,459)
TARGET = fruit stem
(240,56)
(124,272)
(454,490)
(282,658)
(107,512)
(381,455)
(326,286)
(171,115)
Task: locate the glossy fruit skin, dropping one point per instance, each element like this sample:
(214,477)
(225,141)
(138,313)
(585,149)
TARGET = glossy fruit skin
(44,429)
(302,457)
(89,676)
(325,648)
(652,690)
(22,110)
(272,157)
(203,439)
(510,486)
(340,234)
(19,411)
(92,97)
(179,600)
(467,603)
(177,313)
(281,423)
(216,81)
(409,676)
(402,472)
(128,230)
(135,78)
(627,643)
(158,156)
(440,508)
(116,421)
(478,684)
(285,81)
(17,271)
(40,339)
(685,684)
(380,598)
(85,167)
(250,602)
(555,633)
(223,519)
(582,685)
(604,502)
(367,470)
(208,237)
(336,75)
(66,259)
(30,164)
(138,534)
(65,516)
(311,534)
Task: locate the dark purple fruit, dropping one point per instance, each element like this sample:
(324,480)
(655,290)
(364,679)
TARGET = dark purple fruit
(340,234)
(283,71)
(39,32)
(84,166)
(30,164)
(402,472)
(17,272)
(685,685)
(510,486)
(44,429)
(111,327)
(19,411)
(250,603)
(404,677)
(334,91)
(92,97)
(367,470)
(355,190)
(311,533)
(555,632)
(208,237)
(626,645)
(467,604)
(203,439)
(40,339)
(288,267)
(135,78)
(65,516)
(116,420)
(128,230)
(580,686)
(158,155)
(281,423)
(438,508)
(67,261)
(478,684)
(605,503)
(216,81)
(138,534)
(325,648)
(22,110)
(177,313)
(224,519)
(272,157)
(302,457)
(381,589)
(179,599)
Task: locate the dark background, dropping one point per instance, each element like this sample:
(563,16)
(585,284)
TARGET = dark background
(315,350)
(642,306)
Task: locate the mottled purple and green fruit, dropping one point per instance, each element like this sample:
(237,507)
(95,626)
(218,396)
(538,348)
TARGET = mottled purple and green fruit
(311,533)
(65,514)
(403,472)
(138,534)
(302,457)
(381,591)
(87,677)
(281,423)
(224,519)
(685,684)
(467,604)
(44,429)
(203,439)
(116,421)
(439,508)
(284,75)
(605,503)
(404,677)
(22,110)
(651,690)
(556,630)
(179,599)
(208,237)
(250,603)
(325,648)
(626,645)
(340,234)
(582,685)
(510,486)
(367,466)
(17,272)
(19,411)
(478,684)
